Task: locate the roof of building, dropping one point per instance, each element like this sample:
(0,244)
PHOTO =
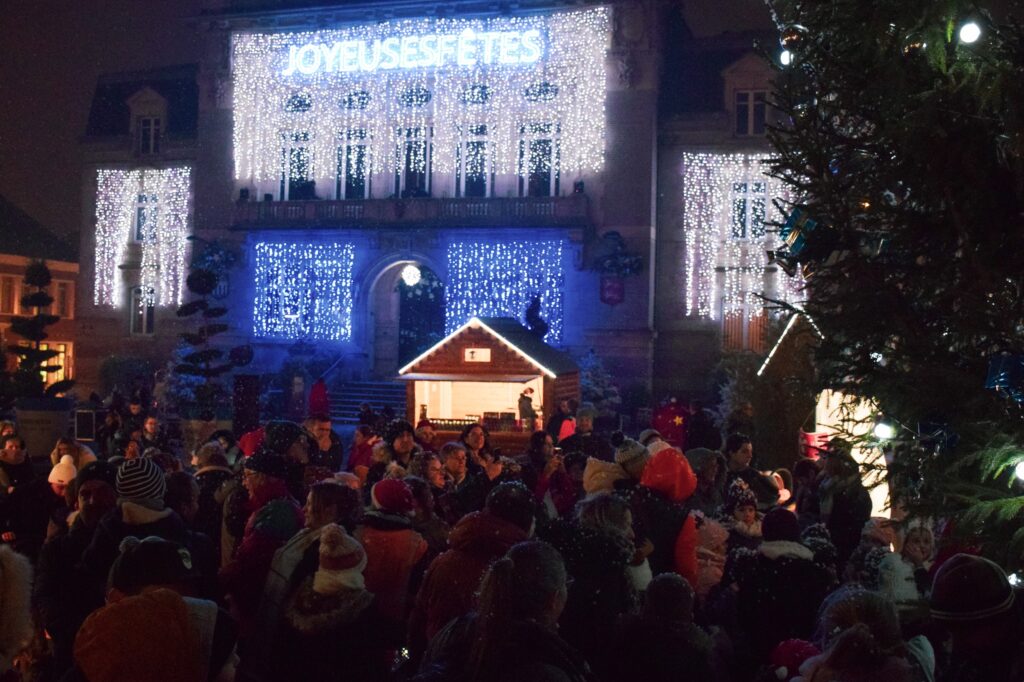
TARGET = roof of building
(22,235)
(396,7)
(695,84)
(110,116)
(514,334)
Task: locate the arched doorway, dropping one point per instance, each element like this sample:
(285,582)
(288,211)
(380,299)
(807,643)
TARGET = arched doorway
(407,314)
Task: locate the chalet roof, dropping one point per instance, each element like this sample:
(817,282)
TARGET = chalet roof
(549,360)
(110,115)
(22,235)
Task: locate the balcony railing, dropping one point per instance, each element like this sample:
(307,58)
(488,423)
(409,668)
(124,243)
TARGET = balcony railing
(569,211)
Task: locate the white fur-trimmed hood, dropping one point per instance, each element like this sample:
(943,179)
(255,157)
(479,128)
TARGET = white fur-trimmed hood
(778,549)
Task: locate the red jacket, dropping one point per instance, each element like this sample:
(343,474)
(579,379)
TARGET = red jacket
(393,549)
(453,578)
(669,473)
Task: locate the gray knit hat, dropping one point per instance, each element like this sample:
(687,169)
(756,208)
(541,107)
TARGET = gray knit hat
(629,454)
(141,480)
(586,410)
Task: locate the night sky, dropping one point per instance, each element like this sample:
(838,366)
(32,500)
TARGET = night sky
(52,51)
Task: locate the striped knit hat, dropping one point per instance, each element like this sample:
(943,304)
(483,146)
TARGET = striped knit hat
(141,481)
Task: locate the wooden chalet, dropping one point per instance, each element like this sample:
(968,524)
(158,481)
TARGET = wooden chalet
(476,375)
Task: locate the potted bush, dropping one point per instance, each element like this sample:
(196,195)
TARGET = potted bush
(204,402)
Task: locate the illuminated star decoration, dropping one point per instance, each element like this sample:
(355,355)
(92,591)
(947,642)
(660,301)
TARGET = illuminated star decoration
(677,420)
(155,206)
(500,278)
(389,82)
(303,290)
(726,201)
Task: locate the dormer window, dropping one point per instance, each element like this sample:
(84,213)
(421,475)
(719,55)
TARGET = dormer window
(149,116)
(149,135)
(750,112)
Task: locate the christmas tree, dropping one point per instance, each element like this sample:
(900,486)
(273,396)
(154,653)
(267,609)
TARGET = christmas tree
(597,386)
(900,135)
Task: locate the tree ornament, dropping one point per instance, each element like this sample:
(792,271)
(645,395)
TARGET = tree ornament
(793,37)
(914,45)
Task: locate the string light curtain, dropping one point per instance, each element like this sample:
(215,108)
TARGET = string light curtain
(154,207)
(500,279)
(364,80)
(727,198)
(303,290)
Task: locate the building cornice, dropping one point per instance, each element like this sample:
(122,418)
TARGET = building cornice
(322,16)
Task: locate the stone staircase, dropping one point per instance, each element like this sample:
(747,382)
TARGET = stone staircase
(345,399)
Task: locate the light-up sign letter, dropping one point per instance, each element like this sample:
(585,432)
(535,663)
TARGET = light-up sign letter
(466,49)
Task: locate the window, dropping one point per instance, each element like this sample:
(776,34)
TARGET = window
(744,328)
(9,295)
(474,176)
(749,201)
(750,112)
(142,312)
(539,153)
(296,185)
(147,212)
(63,299)
(353,181)
(63,359)
(414,150)
(149,135)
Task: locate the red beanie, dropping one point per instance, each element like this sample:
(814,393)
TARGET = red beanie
(392,495)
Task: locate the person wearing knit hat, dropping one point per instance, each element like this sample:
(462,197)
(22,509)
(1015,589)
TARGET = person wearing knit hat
(973,600)
(141,481)
(342,562)
(268,463)
(140,513)
(275,518)
(661,641)
(780,587)
(629,454)
(585,440)
(145,637)
(780,524)
(334,623)
(745,522)
(393,454)
(970,588)
(62,474)
(296,447)
(392,495)
(648,436)
(149,562)
(788,656)
(709,465)
(392,547)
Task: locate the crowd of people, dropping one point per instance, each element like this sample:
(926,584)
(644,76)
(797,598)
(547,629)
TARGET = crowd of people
(280,556)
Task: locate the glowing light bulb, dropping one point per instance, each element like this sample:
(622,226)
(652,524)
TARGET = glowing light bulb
(786,57)
(411,275)
(1019,470)
(884,431)
(970,32)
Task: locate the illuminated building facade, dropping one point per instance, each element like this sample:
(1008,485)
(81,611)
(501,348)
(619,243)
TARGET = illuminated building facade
(494,156)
